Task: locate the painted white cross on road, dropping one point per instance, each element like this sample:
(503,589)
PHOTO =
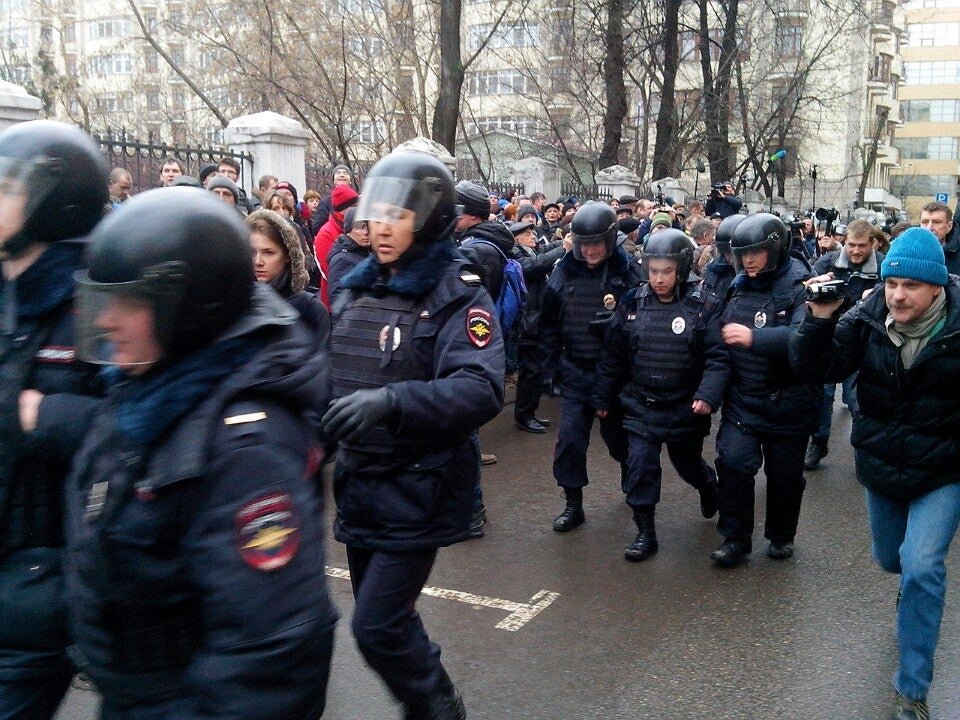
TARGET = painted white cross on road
(520,613)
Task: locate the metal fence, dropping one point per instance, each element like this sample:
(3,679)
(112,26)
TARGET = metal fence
(143,160)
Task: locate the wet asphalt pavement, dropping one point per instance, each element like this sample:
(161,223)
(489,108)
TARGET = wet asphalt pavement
(672,637)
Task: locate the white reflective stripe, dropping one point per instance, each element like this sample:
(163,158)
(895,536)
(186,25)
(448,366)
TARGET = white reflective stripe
(248,418)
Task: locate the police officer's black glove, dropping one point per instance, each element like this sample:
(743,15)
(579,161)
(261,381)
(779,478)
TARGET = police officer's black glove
(351,416)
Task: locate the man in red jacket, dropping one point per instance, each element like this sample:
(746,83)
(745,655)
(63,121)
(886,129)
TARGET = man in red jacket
(342,197)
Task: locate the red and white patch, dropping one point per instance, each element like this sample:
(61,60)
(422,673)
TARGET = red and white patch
(479,327)
(57,354)
(268,531)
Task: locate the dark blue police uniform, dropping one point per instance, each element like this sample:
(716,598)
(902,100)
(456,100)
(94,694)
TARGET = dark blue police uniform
(404,488)
(195,564)
(659,357)
(767,411)
(38,351)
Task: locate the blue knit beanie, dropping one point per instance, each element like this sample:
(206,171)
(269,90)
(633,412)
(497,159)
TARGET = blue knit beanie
(916,254)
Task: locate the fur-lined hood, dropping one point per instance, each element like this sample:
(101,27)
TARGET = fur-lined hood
(299,277)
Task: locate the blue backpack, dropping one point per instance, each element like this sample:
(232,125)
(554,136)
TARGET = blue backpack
(513,294)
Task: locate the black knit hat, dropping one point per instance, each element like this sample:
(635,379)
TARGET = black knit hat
(474,198)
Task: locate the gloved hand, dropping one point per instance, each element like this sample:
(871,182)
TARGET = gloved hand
(352,415)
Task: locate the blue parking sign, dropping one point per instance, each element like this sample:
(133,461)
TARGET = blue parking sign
(942,197)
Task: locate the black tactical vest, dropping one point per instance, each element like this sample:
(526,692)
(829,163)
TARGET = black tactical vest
(753,374)
(581,303)
(666,364)
(371,346)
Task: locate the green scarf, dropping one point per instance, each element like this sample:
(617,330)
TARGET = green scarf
(913,337)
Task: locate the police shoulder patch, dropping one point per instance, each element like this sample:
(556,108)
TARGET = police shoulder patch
(479,326)
(267,531)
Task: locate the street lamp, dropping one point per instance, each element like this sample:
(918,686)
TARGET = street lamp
(696,185)
(813,176)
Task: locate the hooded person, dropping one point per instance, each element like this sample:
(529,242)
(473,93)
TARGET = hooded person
(352,247)
(342,197)
(279,260)
(193,510)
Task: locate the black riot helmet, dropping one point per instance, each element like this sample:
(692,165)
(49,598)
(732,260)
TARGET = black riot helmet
(594,222)
(725,233)
(762,231)
(669,244)
(414,181)
(185,253)
(53,185)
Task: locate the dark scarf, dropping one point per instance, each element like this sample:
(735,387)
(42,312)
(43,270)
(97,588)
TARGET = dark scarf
(45,285)
(281,283)
(420,274)
(149,406)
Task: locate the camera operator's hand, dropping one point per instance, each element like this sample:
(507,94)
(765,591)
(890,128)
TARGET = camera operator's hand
(823,310)
(818,279)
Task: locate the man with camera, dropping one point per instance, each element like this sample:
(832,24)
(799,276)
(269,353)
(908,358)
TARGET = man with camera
(905,344)
(849,273)
(723,200)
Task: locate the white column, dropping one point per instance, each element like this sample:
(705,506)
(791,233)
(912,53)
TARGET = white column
(277,144)
(17,105)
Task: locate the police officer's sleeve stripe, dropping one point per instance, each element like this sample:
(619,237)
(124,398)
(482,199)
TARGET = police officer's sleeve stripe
(246,418)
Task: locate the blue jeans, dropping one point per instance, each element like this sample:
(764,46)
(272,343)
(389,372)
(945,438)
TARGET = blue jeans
(848,393)
(912,539)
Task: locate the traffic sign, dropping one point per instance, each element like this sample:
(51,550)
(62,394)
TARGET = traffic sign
(943,197)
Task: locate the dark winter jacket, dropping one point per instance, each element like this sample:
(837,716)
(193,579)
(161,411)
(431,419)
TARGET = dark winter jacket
(195,563)
(658,358)
(951,248)
(537,265)
(487,246)
(764,394)
(430,334)
(858,279)
(726,205)
(343,257)
(38,351)
(717,276)
(905,434)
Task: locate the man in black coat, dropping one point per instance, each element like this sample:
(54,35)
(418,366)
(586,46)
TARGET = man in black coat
(904,340)
(537,262)
(46,398)
(349,250)
(487,245)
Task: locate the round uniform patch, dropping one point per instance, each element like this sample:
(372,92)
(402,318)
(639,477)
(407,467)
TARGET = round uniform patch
(678,325)
(479,327)
(609,302)
(268,531)
(760,319)
(383,338)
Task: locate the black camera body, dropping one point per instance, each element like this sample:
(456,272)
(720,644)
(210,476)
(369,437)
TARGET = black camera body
(826,292)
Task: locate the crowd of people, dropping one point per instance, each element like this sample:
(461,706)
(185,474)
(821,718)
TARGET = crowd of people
(178,365)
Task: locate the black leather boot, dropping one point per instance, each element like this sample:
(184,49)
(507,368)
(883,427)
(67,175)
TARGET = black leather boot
(645,544)
(572,514)
(732,552)
(444,703)
(709,499)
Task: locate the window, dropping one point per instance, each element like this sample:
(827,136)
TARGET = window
(783,98)
(935,148)
(934,34)
(109,28)
(931,110)
(151,61)
(70,32)
(17,74)
(789,39)
(176,54)
(920,4)
(498,82)
(688,44)
(365,45)
(119,64)
(942,72)
(179,98)
(505,35)
(929,185)
(114,102)
(15,38)
(354,7)
(366,131)
(214,136)
(880,72)
(70,65)
(521,125)
(153,101)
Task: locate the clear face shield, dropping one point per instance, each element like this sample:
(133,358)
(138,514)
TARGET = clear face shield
(24,186)
(127,323)
(398,201)
(750,259)
(594,249)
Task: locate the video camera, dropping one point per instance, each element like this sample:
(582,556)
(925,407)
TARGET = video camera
(716,190)
(826,292)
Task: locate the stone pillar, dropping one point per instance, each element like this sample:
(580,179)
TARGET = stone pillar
(670,188)
(277,143)
(431,147)
(17,105)
(536,175)
(617,180)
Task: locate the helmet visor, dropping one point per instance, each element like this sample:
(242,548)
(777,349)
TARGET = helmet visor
(128,323)
(747,258)
(24,185)
(393,200)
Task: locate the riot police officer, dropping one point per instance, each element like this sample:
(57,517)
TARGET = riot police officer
(662,355)
(719,272)
(767,410)
(195,543)
(581,295)
(417,367)
(52,192)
